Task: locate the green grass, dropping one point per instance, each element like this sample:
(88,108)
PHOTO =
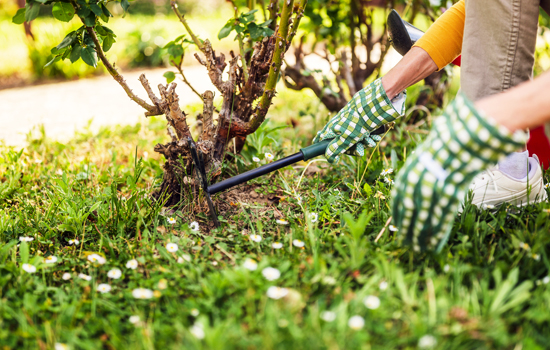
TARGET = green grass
(485,290)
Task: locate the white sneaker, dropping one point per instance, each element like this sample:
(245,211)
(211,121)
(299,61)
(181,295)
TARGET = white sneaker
(493,187)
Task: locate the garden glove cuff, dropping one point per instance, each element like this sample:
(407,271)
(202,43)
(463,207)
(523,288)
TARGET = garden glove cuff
(434,179)
(350,128)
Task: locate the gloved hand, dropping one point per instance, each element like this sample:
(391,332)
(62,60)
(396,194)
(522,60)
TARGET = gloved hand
(433,180)
(351,126)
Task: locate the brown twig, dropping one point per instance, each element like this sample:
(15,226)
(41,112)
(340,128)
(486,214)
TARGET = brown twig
(180,70)
(183,21)
(151,110)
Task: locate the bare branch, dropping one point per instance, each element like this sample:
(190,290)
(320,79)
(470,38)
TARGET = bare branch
(183,21)
(151,110)
(180,70)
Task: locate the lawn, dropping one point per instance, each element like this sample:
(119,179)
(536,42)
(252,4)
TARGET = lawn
(306,258)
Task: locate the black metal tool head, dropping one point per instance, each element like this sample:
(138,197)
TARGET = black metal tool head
(402,34)
(201,174)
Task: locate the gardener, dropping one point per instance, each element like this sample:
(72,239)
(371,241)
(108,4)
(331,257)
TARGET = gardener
(497,53)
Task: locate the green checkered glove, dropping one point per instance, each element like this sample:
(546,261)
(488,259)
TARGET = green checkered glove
(434,179)
(351,127)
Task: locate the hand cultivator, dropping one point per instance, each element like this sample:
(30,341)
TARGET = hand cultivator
(402,34)
(306,153)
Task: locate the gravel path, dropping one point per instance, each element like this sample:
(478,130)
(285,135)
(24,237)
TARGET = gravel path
(65,107)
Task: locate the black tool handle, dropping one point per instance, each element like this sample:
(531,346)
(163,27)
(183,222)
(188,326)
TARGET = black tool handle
(254,173)
(305,153)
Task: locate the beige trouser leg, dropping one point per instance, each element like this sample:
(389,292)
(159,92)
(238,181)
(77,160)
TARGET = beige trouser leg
(499,45)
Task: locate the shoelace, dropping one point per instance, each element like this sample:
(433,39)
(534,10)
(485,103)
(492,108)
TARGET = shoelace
(481,177)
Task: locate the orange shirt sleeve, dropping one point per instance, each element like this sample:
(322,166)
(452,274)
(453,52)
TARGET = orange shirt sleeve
(443,41)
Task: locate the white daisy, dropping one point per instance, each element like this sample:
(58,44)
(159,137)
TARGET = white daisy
(372,302)
(250,264)
(356,322)
(29,268)
(546,279)
(536,257)
(74,241)
(269,156)
(61,346)
(114,274)
(388,180)
(197,330)
(427,342)
(96,258)
(298,243)
(446,268)
(214,263)
(547,185)
(393,228)
(84,277)
(276,292)
(172,247)
(282,222)
(132,264)
(171,220)
(194,226)
(134,319)
(103,288)
(194,312)
(386,172)
(50,259)
(314,217)
(256,238)
(383,285)
(271,273)
(256,159)
(277,245)
(26,239)
(328,316)
(142,293)
(66,276)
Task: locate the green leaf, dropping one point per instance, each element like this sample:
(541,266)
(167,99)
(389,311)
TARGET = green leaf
(83,12)
(19,17)
(125,4)
(108,43)
(175,50)
(89,57)
(251,12)
(53,60)
(239,29)
(68,40)
(227,28)
(89,20)
(96,9)
(170,76)
(105,11)
(88,41)
(367,189)
(255,31)
(75,53)
(32,9)
(63,11)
